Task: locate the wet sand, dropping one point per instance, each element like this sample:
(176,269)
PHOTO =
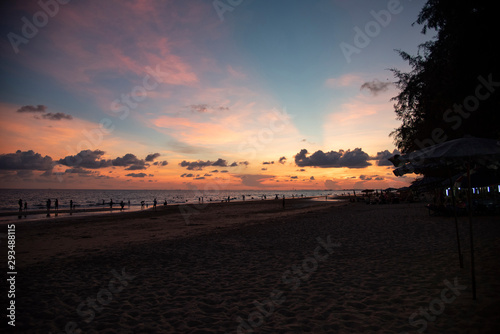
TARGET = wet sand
(317,267)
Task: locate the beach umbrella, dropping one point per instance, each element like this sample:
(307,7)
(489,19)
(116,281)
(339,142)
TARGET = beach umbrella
(457,154)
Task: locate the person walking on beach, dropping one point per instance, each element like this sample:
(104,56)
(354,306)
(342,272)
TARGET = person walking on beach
(20,205)
(154,204)
(111,203)
(56,205)
(165,203)
(122,205)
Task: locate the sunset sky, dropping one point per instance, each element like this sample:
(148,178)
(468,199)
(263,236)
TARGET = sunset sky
(233,94)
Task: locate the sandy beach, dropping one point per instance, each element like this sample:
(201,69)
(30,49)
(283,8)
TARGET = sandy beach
(312,267)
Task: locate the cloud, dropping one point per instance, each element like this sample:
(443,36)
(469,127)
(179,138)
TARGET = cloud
(160,163)
(350,159)
(282,160)
(152,157)
(312,178)
(200,164)
(376,86)
(187,175)
(28,160)
(78,170)
(383,156)
(252,180)
(268,163)
(202,108)
(365,178)
(45,115)
(39,108)
(56,116)
(206,108)
(130,161)
(86,159)
(330,184)
(138,175)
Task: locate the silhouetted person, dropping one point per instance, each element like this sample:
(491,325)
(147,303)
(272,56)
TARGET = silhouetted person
(165,203)
(103,202)
(154,204)
(71,204)
(48,207)
(56,205)
(111,203)
(122,205)
(142,205)
(20,205)
(129,203)
(283,201)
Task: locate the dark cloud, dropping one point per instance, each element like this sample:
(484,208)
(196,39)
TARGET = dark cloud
(200,164)
(86,159)
(187,175)
(244,163)
(152,157)
(268,163)
(200,178)
(263,168)
(214,171)
(312,178)
(282,160)
(137,175)
(201,108)
(350,159)
(130,161)
(294,177)
(45,115)
(56,116)
(160,163)
(28,160)
(206,108)
(38,108)
(78,170)
(365,177)
(383,156)
(376,86)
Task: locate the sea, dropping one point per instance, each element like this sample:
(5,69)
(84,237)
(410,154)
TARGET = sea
(36,199)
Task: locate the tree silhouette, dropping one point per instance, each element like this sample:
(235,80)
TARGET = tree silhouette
(452,89)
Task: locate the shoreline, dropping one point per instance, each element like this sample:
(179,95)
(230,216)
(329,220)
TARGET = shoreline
(93,209)
(71,235)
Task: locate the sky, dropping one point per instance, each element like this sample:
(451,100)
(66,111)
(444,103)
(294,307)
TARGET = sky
(224,94)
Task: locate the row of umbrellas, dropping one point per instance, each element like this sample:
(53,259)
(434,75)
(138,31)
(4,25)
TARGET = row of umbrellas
(455,159)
